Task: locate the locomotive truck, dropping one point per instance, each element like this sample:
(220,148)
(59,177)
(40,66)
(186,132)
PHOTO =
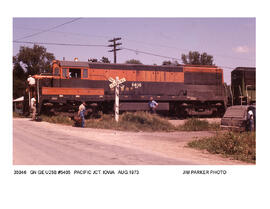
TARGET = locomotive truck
(180,90)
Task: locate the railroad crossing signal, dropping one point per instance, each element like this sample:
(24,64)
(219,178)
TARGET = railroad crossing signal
(116,83)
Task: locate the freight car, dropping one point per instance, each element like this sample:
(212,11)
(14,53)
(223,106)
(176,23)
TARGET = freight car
(180,90)
(243,86)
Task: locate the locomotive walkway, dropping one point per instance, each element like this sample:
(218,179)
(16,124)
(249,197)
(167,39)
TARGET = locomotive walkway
(42,143)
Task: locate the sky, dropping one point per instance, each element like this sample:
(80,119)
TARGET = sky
(231,41)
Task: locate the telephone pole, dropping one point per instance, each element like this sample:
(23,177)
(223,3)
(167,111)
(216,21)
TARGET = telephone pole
(114,47)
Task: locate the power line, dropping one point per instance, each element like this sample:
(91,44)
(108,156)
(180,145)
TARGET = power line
(61,44)
(43,31)
(91,45)
(157,55)
(97,45)
(68,33)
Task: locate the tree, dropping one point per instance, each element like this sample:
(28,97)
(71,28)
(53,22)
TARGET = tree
(206,59)
(93,60)
(195,58)
(133,61)
(168,62)
(105,60)
(29,61)
(36,60)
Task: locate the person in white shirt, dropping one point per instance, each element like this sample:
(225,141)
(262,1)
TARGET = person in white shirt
(31,81)
(31,84)
(250,120)
(152,105)
(81,112)
(33,108)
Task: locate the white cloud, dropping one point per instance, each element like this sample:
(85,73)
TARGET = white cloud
(241,49)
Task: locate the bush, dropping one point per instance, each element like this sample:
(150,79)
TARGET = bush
(195,124)
(138,121)
(145,121)
(240,146)
(104,122)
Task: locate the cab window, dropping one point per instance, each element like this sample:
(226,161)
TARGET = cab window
(75,73)
(85,73)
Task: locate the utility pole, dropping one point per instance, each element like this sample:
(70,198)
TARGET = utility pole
(114,47)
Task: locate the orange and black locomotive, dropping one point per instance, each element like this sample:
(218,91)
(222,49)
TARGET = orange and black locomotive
(180,90)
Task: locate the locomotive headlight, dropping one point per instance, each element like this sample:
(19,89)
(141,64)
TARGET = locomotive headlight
(76,59)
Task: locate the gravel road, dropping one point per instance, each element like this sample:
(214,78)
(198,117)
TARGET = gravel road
(42,143)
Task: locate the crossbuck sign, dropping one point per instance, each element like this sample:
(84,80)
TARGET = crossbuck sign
(116,83)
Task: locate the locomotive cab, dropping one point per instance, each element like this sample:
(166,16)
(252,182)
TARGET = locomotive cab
(66,88)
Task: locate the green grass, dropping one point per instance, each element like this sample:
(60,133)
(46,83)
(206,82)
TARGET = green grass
(239,146)
(58,119)
(195,124)
(146,122)
(104,122)
(138,121)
